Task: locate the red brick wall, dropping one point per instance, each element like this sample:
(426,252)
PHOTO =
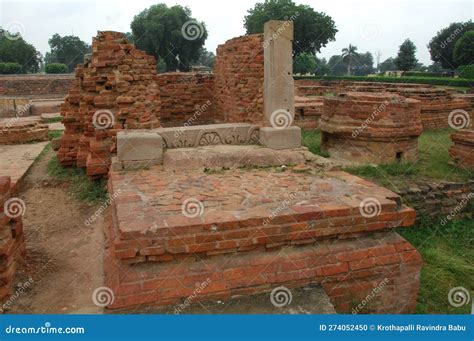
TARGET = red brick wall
(238,73)
(186,98)
(12,240)
(36,85)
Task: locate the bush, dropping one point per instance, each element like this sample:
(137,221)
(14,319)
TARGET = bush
(10,68)
(426,74)
(466,71)
(56,68)
(414,80)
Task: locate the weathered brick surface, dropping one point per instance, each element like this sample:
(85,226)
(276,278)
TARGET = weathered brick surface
(22,130)
(371,128)
(12,241)
(35,85)
(462,152)
(440,199)
(267,229)
(308,111)
(119,79)
(186,98)
(238,73)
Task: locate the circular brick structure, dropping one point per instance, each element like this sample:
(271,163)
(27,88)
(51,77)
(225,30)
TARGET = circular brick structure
(371,127)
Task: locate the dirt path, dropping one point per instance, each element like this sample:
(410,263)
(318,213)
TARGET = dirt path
(64,256)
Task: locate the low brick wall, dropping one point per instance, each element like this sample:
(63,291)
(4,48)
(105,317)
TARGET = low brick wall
(36,85)
(239,79)
(12,240)
(462,150)
(186,98)
(441,199)
(22,130)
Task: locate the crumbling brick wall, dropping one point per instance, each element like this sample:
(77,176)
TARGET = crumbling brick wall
(186,98)
(116,89)
(35,85)
(12,240)
(239,74)
(22,130)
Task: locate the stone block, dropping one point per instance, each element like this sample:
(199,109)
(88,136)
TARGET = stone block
(139,145)
(276,138)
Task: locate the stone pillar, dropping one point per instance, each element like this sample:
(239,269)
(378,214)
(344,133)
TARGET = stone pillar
(279,132)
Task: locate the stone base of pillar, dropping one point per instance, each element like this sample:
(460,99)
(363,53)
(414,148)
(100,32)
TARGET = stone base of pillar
(280,138)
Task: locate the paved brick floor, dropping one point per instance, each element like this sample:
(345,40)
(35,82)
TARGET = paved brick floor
(15,160)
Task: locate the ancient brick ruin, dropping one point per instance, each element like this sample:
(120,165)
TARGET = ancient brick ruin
(116,89)
(12,240)
(462,151)
(244,230)
(371,128)
(16,131)
(436,104)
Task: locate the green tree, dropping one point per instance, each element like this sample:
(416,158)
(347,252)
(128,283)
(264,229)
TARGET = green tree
(387,65)
(348,56)
(322,67)
(14,49)
(363,64)
(337,66)
(170,34)
(69,50)
(206,58)
(312,30)
(441,46)
(304,63)
(406,59)
(464,49)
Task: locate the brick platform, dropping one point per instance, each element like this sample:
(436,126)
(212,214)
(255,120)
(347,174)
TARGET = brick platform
(254,230)
(22,130)
(308,111)
(12,240)
(371,128)
(462,151)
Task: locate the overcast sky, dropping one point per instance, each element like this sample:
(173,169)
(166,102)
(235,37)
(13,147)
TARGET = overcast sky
(371,25)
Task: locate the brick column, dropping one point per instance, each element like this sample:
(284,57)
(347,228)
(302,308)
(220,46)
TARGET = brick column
(279,109)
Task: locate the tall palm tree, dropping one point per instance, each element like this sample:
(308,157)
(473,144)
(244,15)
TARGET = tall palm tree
(348,54)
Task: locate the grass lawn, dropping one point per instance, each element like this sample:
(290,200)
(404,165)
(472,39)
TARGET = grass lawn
(448,256)
(433,163)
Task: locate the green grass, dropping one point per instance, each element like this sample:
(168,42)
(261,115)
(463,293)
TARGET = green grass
(448,256)
(312,140)
(54,134)
(83,189)
(433,163)
(53,119)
